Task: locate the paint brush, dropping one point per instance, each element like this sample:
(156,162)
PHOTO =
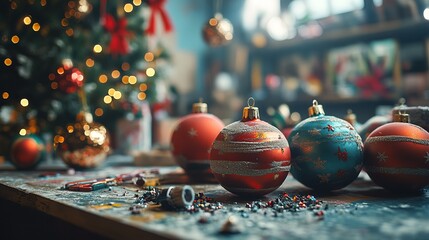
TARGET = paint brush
(83,182)
(88,185)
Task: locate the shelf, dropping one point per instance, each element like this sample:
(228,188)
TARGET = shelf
(410,29)
(402,31)
(336,106)
(331,100)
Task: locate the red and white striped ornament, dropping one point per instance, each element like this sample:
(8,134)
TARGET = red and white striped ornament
(250,157)
(396,156)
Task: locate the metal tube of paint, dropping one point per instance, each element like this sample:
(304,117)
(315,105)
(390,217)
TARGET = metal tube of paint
(176,197)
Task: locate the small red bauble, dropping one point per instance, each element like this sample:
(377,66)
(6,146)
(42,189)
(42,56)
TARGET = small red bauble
(192,139)
(286,131)
(27,152)
(69,78)
(250,157)
(396,157)
(372,123)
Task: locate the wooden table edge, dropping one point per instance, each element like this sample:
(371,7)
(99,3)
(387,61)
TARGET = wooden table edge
(111,228)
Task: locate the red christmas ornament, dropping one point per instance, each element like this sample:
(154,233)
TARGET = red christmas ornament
(118,34)
(372,124)
(250,157)
(396,156)
(69,78)
(157,7)
(27,152)
(286,131)
(192,139)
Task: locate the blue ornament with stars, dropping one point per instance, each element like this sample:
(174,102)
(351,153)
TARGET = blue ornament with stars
(327,152)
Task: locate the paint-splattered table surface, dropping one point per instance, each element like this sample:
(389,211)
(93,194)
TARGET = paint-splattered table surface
(360,211)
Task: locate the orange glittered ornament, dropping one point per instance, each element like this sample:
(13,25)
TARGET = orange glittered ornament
(396,156)
(192,139)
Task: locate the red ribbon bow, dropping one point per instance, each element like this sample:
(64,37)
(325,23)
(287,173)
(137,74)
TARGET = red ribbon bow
(157,6)
(118,42)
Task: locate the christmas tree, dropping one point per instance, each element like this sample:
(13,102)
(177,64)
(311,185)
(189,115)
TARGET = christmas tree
(61,57)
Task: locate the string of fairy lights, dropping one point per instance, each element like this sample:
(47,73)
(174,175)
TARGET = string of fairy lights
(77,10)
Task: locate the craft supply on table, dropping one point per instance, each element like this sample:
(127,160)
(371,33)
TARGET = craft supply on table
(176,197)
(137,177)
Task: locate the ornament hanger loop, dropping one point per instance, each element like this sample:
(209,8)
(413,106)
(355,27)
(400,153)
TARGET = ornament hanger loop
(217,7)
(315,109)
(401,116)
(251,102)
(315,103)
(250,112)
(199,107)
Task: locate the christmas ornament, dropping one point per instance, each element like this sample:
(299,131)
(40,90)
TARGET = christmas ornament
(118,34)
(283,119)
(327,152)
(83,144)
(157,7)
(81,8)
(371,124)
(250,157)
(27,151)
(377,121)
(419,115)
(69,78)
(192,139)
(117,29)
(352,119)
(279,117)
(218,31)
(294,119)
(396,155)
(286,131)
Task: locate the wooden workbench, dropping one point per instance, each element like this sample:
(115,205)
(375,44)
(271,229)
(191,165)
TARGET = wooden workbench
(360,211)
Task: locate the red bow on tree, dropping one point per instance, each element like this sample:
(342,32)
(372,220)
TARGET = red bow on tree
(157,6)
(117,29)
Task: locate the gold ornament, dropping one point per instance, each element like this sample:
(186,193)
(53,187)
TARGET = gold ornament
(83,144)
(218,31)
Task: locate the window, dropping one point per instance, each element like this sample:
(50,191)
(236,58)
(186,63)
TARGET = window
(316,9)
(257,13)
